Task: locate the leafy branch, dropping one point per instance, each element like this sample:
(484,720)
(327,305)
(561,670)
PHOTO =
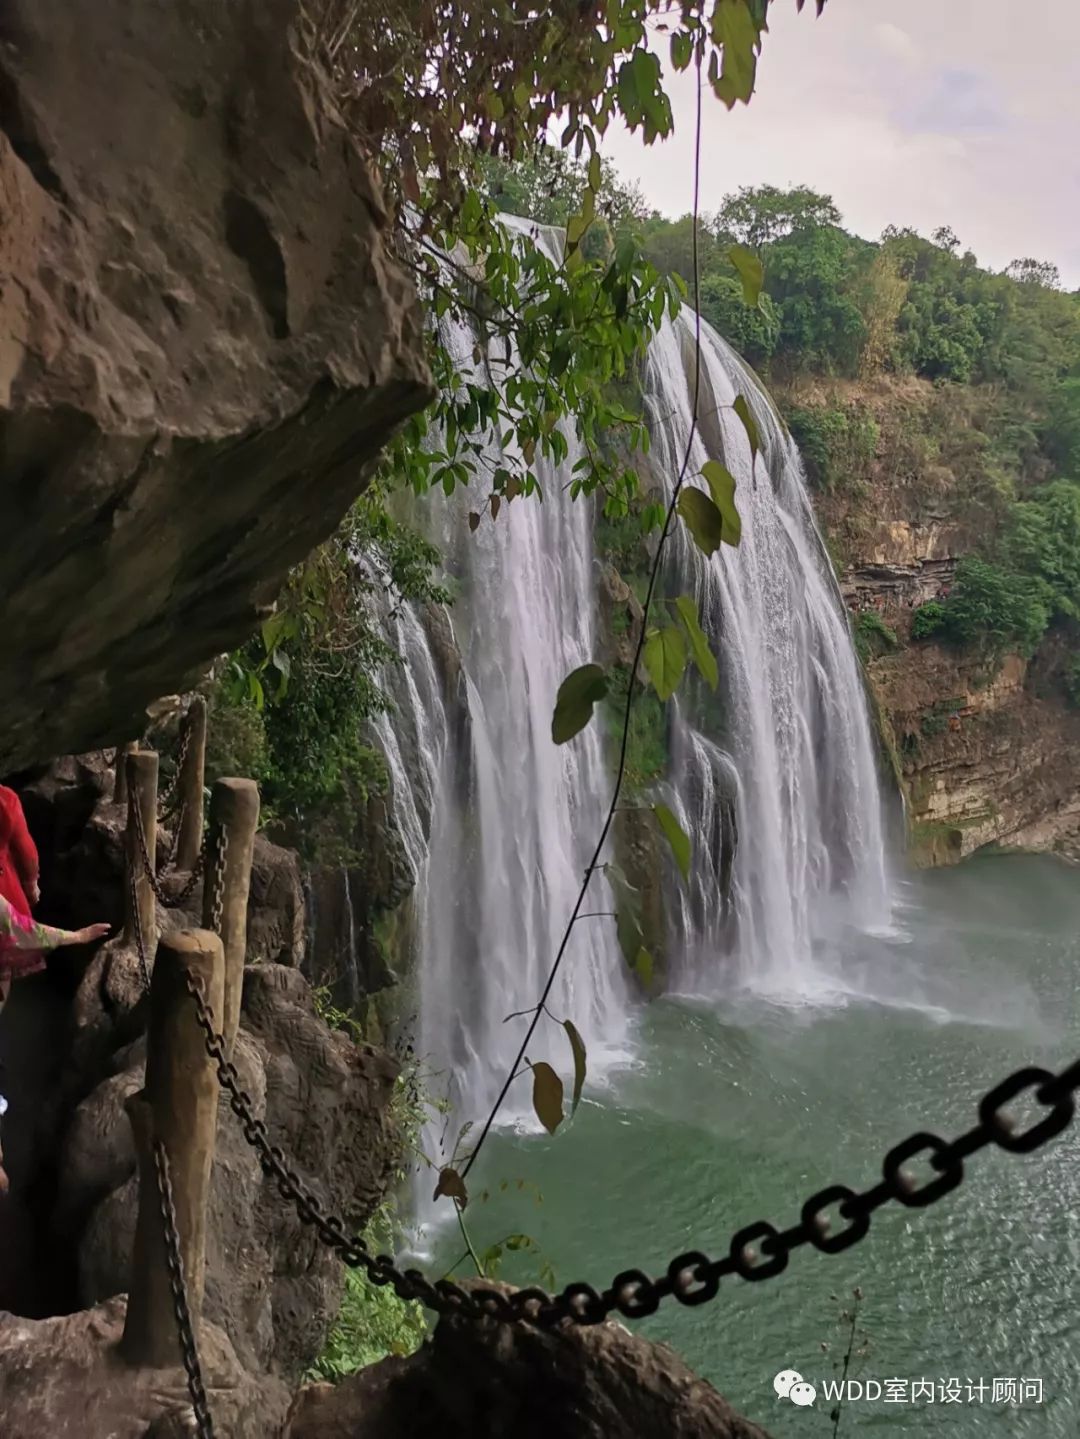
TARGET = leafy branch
(654,571)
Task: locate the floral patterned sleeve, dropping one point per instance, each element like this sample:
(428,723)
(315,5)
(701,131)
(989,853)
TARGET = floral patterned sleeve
(21,931)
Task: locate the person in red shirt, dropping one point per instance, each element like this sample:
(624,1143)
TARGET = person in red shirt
(22,938)
(18,854)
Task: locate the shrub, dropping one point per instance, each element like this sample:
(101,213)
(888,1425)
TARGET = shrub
(873,636)
(993,609)
(837,445)
(928,620)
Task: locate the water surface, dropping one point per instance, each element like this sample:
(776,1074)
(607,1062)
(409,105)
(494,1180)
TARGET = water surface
(736,1110)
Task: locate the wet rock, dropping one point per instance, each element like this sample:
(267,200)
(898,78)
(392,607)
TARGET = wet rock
(600,1382)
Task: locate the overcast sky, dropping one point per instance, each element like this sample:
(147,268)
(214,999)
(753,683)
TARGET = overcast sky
(925,113)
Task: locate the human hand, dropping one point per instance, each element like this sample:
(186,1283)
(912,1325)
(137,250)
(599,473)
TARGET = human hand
(34,892)
(90,933)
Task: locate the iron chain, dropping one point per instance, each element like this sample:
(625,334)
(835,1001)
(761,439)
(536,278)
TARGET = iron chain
(166,797)
(170,901)
(204,1424)
(220,845)
(757,1252)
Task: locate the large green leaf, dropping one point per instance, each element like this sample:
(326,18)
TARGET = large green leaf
(676,837)
(665,659)
(751,272)
(744,412)
(578,693)
(734,27)
(577,1045)
(547,1096)
(703,519)
(721,484)
(699,645)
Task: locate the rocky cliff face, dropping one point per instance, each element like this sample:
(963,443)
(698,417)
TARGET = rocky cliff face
(203,344)
(984,754)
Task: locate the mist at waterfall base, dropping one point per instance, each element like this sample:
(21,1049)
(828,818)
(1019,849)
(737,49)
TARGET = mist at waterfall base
(740,1109)
(815,1013)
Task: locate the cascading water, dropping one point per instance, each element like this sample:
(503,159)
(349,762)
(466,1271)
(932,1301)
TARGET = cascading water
(774,780)
(498,821)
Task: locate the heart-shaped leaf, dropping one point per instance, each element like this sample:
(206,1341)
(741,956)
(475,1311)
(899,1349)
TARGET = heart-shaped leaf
(703,519)
(578,693)
(721,484)
(665,659)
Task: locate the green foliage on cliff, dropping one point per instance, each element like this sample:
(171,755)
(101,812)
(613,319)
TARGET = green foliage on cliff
(294,704)
(990,609)
(836,444)
(872,635)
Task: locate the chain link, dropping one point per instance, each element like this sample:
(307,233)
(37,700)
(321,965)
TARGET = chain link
(170,901)
(220,846)
(204,1423)
(166,797)
(757,1252)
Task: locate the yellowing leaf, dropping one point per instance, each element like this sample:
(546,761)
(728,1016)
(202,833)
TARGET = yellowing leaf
(594,173)
(579,691)
(665,660)
(699,645)
(547,1096)
(451,1184)
(751,272)
(721,484)
(577,1045)
(703,519)
(676,837)
(744,412)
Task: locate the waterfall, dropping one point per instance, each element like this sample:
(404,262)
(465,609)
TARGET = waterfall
(774,777)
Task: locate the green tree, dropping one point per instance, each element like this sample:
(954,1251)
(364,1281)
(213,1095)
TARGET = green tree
(1044,542)
(759,215)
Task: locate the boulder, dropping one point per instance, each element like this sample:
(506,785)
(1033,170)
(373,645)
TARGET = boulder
(271,1285)
(470,1379)
(204,342)
(65,1378)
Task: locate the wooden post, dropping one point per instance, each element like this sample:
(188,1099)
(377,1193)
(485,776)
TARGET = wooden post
(178,1106)
(142,778)
(120,791)
(234,809)
(189,787)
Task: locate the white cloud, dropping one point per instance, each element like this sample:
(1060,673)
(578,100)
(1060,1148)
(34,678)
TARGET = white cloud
(978,134)
(897,42)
